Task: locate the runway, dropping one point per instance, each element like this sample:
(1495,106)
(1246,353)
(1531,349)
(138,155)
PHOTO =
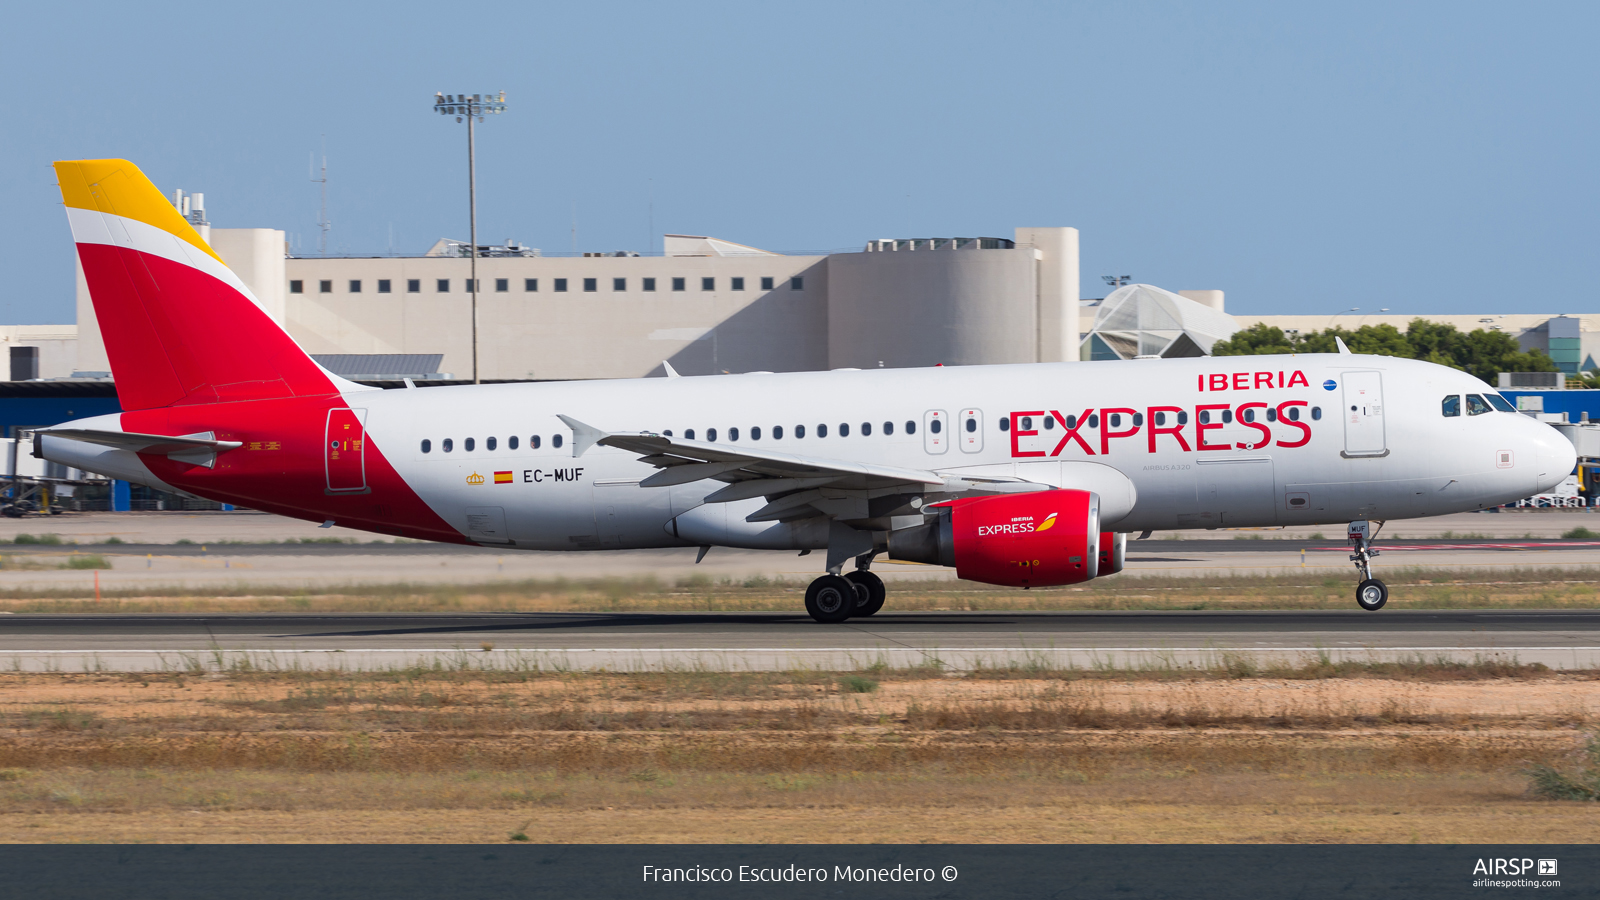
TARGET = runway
(774,641)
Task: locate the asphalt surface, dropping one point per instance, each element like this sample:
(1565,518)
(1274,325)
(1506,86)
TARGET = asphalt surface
(1561,639)
(423,548)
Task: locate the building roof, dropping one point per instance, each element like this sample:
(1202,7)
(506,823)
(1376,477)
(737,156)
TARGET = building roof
(1144,320)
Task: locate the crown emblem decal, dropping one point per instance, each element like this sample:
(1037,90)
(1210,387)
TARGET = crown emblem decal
(474,478)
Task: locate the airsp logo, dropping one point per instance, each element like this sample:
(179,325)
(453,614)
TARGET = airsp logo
(1512,867)
(1330,384)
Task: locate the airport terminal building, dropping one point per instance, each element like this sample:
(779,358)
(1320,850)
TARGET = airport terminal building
(705,306)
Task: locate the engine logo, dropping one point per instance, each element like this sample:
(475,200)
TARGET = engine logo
(1048,523)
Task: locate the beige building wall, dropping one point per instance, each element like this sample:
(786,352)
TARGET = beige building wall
(1056,252)
(545,333)
(957,307)
(58,348)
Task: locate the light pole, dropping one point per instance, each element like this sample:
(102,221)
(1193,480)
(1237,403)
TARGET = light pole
(471,107)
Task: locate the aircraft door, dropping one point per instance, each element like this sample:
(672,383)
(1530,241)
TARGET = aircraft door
(1363,414)
(343,447)
(935,431)
(971,430)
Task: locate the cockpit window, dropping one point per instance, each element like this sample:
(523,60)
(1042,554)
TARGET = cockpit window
(1500,403)
(1451,406)
(1477,406)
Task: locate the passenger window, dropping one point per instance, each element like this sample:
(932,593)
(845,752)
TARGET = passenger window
(427,446)
(936,426)
(755,433)
(688,434)
(1072,421)
(777,432)
(844,429)
(1227,417)
(1183,417)
(1477,406)
(1138,420)
(1094,421)
(1049,423)
(668,432)
(911,426)
(888,428)
(711,435)
(489,443)
(1116,420)
(1316,413)
(866,429)
(1500,403)
(972,425)
(1272,414)
(1205,417)
(1160,418)
(533,442)
(512,442)
(555,440)
(468,444)
(1451,407)
(799,431)
(1248,415)
(1027,423)
(448,445)
(733,434)
(1294,413)
(822,431)
(1005,423)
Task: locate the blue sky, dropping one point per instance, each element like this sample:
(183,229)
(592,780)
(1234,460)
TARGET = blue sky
(1305,158)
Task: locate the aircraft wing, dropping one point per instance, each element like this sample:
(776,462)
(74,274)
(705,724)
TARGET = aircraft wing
(795,485)
(197,449)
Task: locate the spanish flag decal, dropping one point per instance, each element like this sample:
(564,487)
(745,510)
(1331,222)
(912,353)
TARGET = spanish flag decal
(1048,523)
(502,478)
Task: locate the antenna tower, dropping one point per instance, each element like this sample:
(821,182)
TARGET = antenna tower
(322,217)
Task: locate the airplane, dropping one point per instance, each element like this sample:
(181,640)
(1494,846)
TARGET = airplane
(1020,475)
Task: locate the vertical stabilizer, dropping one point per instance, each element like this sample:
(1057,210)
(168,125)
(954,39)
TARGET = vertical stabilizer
(179,326)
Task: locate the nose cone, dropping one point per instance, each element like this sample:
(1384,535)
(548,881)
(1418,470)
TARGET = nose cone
(1555,455)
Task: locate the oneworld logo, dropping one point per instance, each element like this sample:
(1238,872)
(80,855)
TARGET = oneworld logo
(1330,384)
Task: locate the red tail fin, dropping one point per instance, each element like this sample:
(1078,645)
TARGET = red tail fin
(179,326)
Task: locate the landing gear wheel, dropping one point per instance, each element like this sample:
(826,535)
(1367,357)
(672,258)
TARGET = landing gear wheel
(869,592)
(1372,594)
(831,598)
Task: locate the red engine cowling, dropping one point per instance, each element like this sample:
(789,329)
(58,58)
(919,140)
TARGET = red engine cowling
(1113,552)
(1021,540)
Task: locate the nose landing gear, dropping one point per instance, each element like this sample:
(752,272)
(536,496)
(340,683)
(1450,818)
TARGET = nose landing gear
(1371,593)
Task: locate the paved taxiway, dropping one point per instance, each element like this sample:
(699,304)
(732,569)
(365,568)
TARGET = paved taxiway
(768,641)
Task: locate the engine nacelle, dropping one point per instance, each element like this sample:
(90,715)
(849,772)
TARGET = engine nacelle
(1021,540)
(1113,552)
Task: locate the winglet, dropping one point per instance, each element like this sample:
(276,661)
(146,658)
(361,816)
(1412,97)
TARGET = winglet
(1342,348)
(583,436)
(671,372)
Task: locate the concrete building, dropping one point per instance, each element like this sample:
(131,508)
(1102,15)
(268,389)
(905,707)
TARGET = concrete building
(705,306)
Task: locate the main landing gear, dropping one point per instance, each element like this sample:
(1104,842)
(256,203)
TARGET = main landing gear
(1371,594)
(834,598)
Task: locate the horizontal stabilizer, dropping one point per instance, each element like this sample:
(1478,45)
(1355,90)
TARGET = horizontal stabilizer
(199,449)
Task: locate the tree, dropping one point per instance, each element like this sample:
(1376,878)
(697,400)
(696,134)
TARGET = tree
(1480,352)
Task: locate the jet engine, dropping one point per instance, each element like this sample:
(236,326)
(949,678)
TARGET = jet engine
(1020,540)
(1113,552)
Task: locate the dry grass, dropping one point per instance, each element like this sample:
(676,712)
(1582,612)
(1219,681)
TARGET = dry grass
(1423,589)
(1315,752)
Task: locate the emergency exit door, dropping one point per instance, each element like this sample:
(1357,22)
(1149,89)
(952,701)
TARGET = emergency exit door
(344,451)
(1363,414)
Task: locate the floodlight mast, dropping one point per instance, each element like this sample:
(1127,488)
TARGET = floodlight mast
(471,107)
